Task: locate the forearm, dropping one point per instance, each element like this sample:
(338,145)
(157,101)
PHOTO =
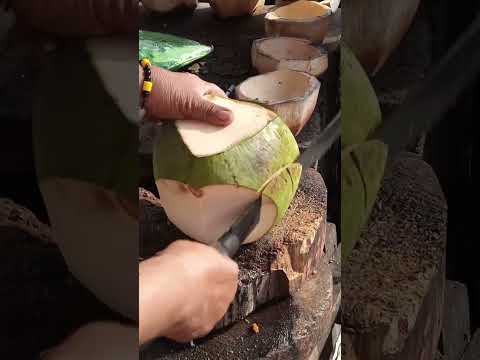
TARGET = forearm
(159,297)
(79,17)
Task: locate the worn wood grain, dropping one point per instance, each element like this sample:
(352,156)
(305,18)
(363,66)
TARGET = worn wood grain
(393,287)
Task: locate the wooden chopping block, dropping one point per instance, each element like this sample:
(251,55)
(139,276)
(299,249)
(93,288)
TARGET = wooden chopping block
(374,28)
(393,286)
(293,329)
(274,266)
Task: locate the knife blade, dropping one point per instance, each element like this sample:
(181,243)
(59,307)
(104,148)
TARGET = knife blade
(229,243)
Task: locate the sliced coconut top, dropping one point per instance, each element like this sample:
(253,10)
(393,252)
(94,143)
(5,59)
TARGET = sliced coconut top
(278,86)
(300,10)
(114,59)
(203,139)
(287,48)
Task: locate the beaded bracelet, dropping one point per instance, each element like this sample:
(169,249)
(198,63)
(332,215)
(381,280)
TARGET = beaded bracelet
(147,80)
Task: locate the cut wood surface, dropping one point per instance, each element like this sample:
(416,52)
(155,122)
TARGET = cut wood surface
(292,329)
(393,284)
(456,321)
(273,267)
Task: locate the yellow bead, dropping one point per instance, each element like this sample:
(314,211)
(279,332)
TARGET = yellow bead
(147,86)
(146,62)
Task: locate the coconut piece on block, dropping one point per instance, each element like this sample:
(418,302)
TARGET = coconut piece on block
(204,195)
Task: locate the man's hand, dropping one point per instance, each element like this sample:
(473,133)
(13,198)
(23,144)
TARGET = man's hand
(184,291)
(181,96)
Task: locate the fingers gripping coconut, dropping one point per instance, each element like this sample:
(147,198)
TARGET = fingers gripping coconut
(182,96)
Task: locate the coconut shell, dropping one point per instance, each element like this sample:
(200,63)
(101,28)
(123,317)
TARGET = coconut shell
(290,94)
(259,164)
(270,54)
(313,28)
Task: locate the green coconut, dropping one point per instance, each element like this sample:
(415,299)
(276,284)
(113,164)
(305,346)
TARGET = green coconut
(361,112)
(207,175)
(85,145)
(363,167)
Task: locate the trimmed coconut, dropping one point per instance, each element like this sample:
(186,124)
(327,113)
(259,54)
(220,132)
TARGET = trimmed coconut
(167,6)
(204,195)
(232,8)
(270,54)
(302,19)
(290,94)
(86,162)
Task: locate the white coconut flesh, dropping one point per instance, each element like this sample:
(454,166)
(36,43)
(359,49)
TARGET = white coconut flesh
(203,139)
(300,10)
(90,225)
(207,213)
(205,187)
(111,57)
(277,87)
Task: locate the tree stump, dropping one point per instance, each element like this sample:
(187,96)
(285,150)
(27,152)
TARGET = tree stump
(271,268)
(392,303)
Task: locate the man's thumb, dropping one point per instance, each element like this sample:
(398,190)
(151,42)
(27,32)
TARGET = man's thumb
(212,113)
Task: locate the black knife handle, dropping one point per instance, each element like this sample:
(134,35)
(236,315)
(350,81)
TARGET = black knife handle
(228,244)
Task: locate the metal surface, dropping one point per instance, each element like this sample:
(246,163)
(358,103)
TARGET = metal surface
(321,143)
(230,242)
